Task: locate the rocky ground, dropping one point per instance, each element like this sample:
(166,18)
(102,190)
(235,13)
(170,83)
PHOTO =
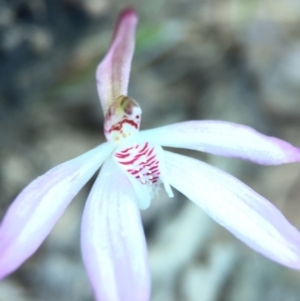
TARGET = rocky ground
(231,60)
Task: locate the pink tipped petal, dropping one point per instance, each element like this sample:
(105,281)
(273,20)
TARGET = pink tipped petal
(113,242)
(225,139)
(113,72)
(249,216)
(37,208)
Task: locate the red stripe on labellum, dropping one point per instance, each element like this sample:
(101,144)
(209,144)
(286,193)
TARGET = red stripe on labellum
(128,162)
(151,151)
(140,162)
(121,156)
(126,150)
(151,158)
(145,147)
(133,172)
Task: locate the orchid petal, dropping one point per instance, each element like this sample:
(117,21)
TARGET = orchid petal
(249,216)
(112,73)
(33,214)
(113,243)
(225,139)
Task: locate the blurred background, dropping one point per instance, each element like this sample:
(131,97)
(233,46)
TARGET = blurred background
(234,60)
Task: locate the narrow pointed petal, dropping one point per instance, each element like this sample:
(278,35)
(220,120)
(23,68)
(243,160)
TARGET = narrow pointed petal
(225,139)
(37,208)
(113,72)
(245,213)
(113,242)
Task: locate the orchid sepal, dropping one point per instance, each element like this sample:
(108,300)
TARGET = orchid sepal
(225,139)
(34,212)
(112,74)
(112,238)
(242,211)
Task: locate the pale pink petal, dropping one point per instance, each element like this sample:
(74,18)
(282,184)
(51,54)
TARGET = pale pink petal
(113,242)
(225,139)
(37,208)
(245,213)
(113,72)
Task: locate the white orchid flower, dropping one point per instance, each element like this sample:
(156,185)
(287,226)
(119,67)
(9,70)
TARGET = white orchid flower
(134,165)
